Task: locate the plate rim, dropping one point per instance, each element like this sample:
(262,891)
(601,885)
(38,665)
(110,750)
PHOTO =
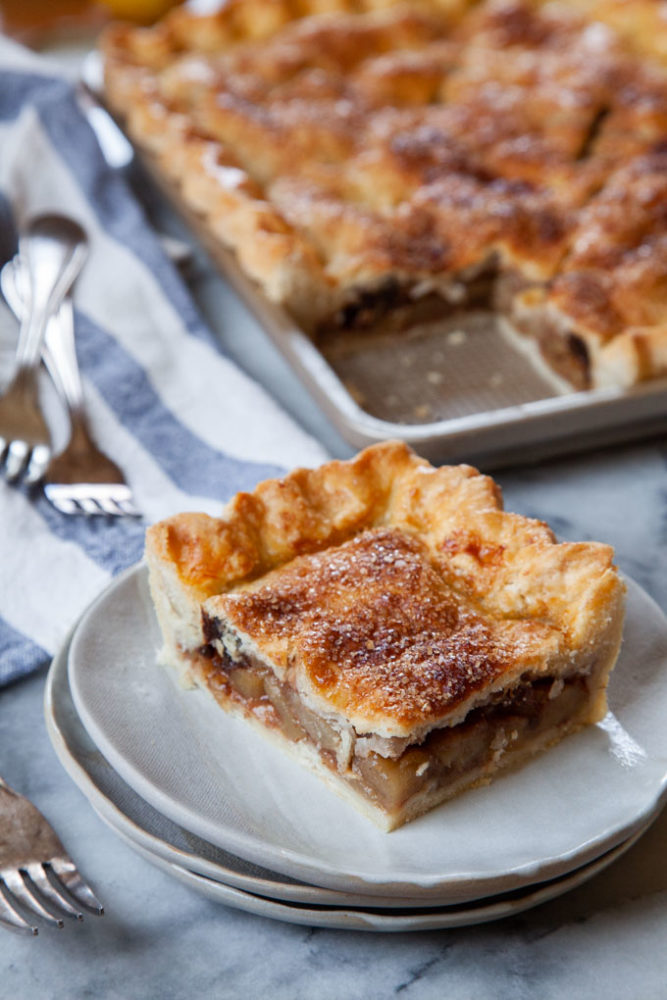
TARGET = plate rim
(341,918)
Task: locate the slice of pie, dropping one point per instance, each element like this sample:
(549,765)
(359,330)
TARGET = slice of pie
(389,624)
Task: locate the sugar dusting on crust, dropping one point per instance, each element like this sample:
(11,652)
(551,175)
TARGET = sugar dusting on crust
(375,629)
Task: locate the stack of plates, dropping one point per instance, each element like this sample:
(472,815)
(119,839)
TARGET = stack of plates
(204,797)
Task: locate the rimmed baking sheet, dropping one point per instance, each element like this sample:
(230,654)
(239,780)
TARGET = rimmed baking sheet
(459,389)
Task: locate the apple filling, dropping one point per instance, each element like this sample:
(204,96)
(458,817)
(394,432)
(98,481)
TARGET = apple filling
(392,772)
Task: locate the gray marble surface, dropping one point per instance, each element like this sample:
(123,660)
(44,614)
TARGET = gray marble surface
(160,940)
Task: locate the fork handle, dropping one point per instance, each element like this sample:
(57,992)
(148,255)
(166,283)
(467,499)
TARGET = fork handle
(58,349)
(59,353)
(50,265)
(31,335)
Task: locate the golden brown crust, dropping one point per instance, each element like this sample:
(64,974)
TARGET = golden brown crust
(343,148)
(641,23)
(391,594)
(306,511)
(611,289)
(371,631)
(614,275)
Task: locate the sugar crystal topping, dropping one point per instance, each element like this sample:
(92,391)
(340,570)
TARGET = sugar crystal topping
(374,626)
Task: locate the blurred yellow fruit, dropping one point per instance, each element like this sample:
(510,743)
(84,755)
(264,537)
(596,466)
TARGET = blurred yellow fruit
(141,11)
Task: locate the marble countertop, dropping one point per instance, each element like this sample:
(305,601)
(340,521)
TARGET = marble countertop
(159,939)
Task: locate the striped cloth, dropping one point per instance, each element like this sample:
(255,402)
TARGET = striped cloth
(187,427)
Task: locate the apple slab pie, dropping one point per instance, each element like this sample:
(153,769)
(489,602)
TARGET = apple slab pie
(380,164)
(389,624)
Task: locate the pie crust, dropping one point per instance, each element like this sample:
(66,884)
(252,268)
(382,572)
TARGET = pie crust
(368,159)
(389,624)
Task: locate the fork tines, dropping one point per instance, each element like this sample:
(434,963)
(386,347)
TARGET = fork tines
(49,890)
(111,499)
(21,460)
(37,876)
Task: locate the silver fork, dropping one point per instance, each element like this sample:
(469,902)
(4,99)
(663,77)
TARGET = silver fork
(37,876)
(81,479)
(53,250)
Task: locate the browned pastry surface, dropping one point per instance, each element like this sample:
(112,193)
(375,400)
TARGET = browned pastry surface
(641,23)
(358,156)
(347,552)
(373,631)
(620,249)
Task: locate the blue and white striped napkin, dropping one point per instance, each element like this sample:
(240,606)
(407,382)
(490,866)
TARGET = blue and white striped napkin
(187,427)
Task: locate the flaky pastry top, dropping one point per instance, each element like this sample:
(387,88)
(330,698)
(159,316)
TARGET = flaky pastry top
(393,591)
(358,153)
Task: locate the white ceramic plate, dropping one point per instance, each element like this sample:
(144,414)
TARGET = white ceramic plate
(167,845)
(463,915)
(216,777)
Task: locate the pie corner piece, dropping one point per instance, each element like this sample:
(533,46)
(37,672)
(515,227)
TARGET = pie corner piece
(389,624)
